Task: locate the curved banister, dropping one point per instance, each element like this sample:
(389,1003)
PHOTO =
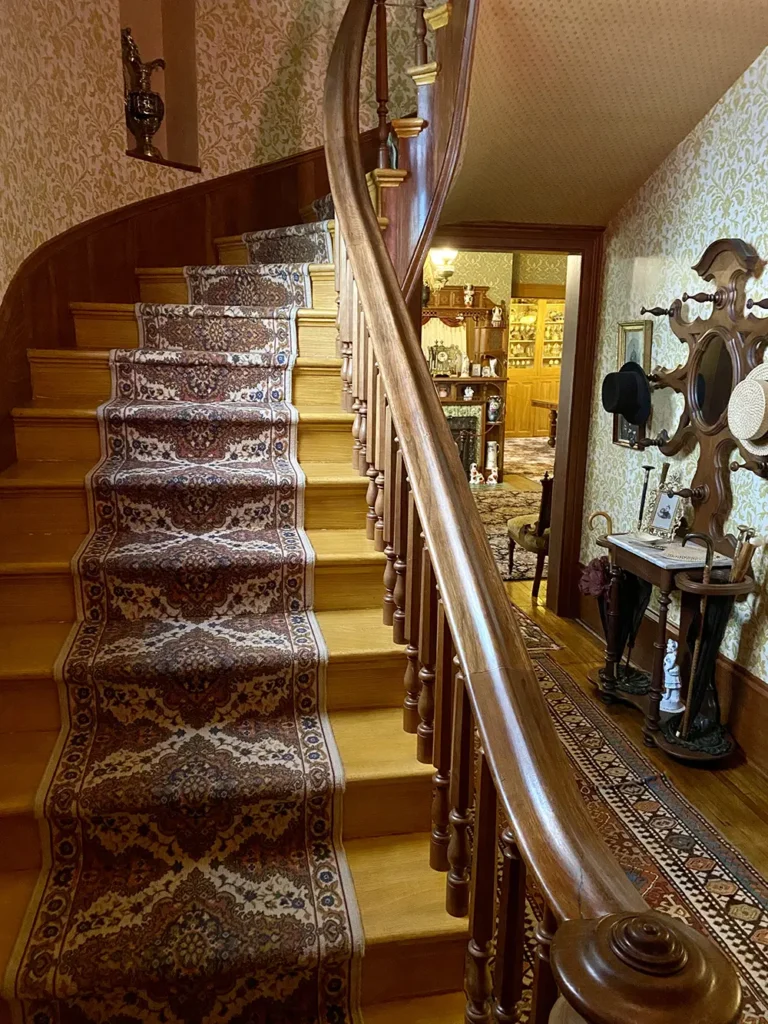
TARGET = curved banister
(575,870)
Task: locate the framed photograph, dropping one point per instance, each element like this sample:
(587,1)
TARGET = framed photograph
(477,370)
(626,434)
(635,343)
(664,512)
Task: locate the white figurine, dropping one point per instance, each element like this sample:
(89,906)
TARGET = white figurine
(494,367)
(468,393)
(671,699)
(496,316)
(469,295)
(493,477)
(465,365)
(475,476)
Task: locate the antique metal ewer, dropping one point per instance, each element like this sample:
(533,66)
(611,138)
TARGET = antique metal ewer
(144,109)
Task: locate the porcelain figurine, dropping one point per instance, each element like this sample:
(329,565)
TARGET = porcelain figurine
(469,295)
(493,365)
(475,476)
(671,700)
(493,477)
(465,366)
(468,393)
(496,317)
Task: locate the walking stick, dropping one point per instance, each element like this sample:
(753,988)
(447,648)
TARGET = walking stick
(706,576)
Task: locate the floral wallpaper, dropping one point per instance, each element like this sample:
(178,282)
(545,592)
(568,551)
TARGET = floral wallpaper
(485,268)
(540,267)
(261,67)
(713,185)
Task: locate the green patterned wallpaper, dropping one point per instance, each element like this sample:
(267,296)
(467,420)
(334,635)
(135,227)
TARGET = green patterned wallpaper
(713,185)
(485,268)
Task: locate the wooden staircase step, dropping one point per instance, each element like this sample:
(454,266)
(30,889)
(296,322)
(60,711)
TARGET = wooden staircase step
(413,947)
(168,284)
(447,1008)
(365,668)
(83,376)
(113,325)
(49,497)
(388,790)
(36,583)
(16,888)
(51,430)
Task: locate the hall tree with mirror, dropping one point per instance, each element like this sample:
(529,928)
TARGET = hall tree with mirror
(708,418)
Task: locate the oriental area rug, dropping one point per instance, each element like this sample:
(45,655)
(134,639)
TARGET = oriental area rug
(193,869)
(679,863)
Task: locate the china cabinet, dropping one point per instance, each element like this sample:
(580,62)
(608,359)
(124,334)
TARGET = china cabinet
(535,349)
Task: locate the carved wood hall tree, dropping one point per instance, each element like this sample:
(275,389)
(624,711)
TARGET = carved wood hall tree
(722,348)
(598,954)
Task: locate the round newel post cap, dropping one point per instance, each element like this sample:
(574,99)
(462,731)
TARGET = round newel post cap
(645,968)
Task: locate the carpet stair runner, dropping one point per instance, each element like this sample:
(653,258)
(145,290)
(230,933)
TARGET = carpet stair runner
(191,809)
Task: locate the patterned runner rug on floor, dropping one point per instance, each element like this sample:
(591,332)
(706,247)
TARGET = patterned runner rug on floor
(193,869)
(676,859)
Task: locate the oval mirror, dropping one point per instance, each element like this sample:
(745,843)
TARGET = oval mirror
(713,382)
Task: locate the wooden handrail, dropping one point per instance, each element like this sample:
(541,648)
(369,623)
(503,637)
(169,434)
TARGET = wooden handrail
(572,865)
(610,959)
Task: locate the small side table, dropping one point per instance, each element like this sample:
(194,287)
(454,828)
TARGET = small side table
(542,403)
(660,572)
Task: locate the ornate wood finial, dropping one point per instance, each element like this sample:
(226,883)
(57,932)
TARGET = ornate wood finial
(608,968)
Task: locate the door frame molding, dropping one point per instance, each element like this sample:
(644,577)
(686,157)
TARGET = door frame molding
(576,379)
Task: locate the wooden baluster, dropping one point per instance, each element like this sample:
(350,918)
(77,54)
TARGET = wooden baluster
(427,654)
(345,330)
(482,913)
(382,81)
(388,533)
(421,36)
(544,991)
(355,374)
(401,547)
(380,450)
(510,942)
(460,787)
(372,410)
(444,670)
(362,391)
(412,617)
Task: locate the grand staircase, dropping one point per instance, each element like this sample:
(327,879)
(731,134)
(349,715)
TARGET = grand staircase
(413,963)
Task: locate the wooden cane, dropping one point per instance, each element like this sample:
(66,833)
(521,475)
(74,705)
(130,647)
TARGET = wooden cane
(706,576)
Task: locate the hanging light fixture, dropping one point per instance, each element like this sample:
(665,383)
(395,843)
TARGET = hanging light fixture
(443,265)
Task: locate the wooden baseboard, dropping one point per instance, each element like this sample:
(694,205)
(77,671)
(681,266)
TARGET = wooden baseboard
(743,695)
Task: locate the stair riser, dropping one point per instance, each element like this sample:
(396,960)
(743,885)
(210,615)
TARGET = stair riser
(75,380)
(402,970)
(173,288)
(378,808)
(317,335)
(50,597)
(331,507)
(55,439)
(232,253)
(30,705)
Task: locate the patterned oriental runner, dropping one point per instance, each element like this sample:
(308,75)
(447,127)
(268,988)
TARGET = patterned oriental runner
(191,813)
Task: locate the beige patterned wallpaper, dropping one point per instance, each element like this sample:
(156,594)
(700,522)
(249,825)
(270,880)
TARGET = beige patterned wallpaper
(540,267)
(714,185)
(485,268)
(573,105)
(261,67)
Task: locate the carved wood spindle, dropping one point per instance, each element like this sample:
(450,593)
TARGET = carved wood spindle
(412,618)
(382,81)
(362,370)
(401,548)
(445,665)
(372,411)
(381,437)
(421,35)
(544,993)
(345,332)
(460,787)
(427,654)
(482,914)
(355,376)
(510,942)
(388,532)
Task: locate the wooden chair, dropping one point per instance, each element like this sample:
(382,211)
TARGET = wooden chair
(531,533)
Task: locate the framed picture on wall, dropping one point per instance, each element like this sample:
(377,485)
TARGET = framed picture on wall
(635,343)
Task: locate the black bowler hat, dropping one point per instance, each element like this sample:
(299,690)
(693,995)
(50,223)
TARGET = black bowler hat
(628,394)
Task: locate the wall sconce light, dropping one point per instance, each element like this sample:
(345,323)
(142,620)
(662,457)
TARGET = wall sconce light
(442,261)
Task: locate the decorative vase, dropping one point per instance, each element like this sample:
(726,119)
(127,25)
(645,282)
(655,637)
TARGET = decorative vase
(494,409)
(492,455)
(144,108)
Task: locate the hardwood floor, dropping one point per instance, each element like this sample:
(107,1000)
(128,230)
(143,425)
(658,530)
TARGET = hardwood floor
(734,799)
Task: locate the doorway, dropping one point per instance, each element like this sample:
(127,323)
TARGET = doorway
(577,305)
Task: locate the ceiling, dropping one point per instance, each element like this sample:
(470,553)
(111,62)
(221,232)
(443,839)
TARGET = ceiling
(572,105)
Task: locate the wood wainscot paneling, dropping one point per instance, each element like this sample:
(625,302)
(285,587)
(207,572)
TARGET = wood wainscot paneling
(96,261)
(577,371)
(743,696)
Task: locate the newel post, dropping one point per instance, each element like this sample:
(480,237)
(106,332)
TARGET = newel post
(641,968)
